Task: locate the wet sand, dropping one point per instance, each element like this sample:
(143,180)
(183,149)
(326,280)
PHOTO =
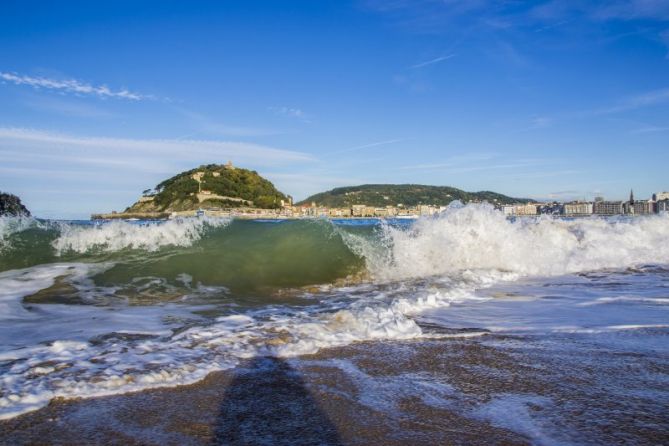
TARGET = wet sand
(486,390)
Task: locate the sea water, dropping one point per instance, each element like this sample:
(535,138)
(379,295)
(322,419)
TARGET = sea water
(100,308)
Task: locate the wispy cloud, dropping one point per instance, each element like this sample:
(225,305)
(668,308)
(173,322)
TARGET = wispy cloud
(141,154)
(72,86)
(431,61)
(450,168)
(66,107)
(207,125)
(463,161)
(86,165)
(290,112)
(369,146)
(631,9)
(638,101)
(650,129)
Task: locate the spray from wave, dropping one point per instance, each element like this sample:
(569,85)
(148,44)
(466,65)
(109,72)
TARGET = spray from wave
(118,235)
(477,237)
(14,225)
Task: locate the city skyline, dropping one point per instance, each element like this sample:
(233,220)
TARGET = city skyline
(545,100)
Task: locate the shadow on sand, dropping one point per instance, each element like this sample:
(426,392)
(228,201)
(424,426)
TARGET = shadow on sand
(267,403)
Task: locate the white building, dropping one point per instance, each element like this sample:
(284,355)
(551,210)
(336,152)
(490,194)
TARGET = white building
(608,207)
(520,209)
(578,209)
(661,196)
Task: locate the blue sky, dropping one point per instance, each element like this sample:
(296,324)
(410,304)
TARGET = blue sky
(551,99)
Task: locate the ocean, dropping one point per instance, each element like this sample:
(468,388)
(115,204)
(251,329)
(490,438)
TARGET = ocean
(462,328)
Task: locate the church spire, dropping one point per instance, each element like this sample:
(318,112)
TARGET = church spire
(631,196)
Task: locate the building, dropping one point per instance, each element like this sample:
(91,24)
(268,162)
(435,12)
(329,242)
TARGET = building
(602,207)
(339,212)
(358,210)
(553,208)
(662,205)
(426,209)
(660,196)
(577,209)
(361,210)
(526,209)
(520,209)
(639,207)
(642,207)
(509,209)
(146,198)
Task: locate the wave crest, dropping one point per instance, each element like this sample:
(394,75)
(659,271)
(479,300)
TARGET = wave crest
(118,235)
(477,237)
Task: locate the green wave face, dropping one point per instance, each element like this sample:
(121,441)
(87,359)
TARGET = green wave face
(250,256)
(242,256)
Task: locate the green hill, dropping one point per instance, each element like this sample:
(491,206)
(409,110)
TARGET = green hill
(212,185)
(10,205)
(405,194)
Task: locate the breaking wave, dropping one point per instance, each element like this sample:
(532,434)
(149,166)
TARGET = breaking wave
(118,235)
(431,263)
(477,237)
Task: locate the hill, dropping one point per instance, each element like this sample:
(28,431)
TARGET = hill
(210,186)
(406,194)
(10,205)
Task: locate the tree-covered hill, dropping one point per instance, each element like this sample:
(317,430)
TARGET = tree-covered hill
(241,187)
(405,194)
(10,205)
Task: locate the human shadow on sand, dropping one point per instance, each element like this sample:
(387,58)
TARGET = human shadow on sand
(267,403)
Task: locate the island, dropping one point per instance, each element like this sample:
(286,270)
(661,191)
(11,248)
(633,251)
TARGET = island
(11,206)
(217,189)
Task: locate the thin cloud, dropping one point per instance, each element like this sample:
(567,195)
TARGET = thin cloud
(464,169)
(632,9)
(639,101)
(367,146)
(204,124)
(432,61)
(84,164)
(290,112)
(649,129)
(145,154)
(72,86)
(78,108)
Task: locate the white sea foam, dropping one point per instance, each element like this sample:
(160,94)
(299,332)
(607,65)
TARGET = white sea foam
(117,235)
(627,299)
(514,412)
(16,284)
(477,237)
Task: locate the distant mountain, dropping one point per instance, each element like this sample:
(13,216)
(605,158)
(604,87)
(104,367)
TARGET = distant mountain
(10,205)
(212,185)
(405,194)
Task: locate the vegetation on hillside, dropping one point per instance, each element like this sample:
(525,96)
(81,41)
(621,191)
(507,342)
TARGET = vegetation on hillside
(405,194)
(180,191)
(10,205)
